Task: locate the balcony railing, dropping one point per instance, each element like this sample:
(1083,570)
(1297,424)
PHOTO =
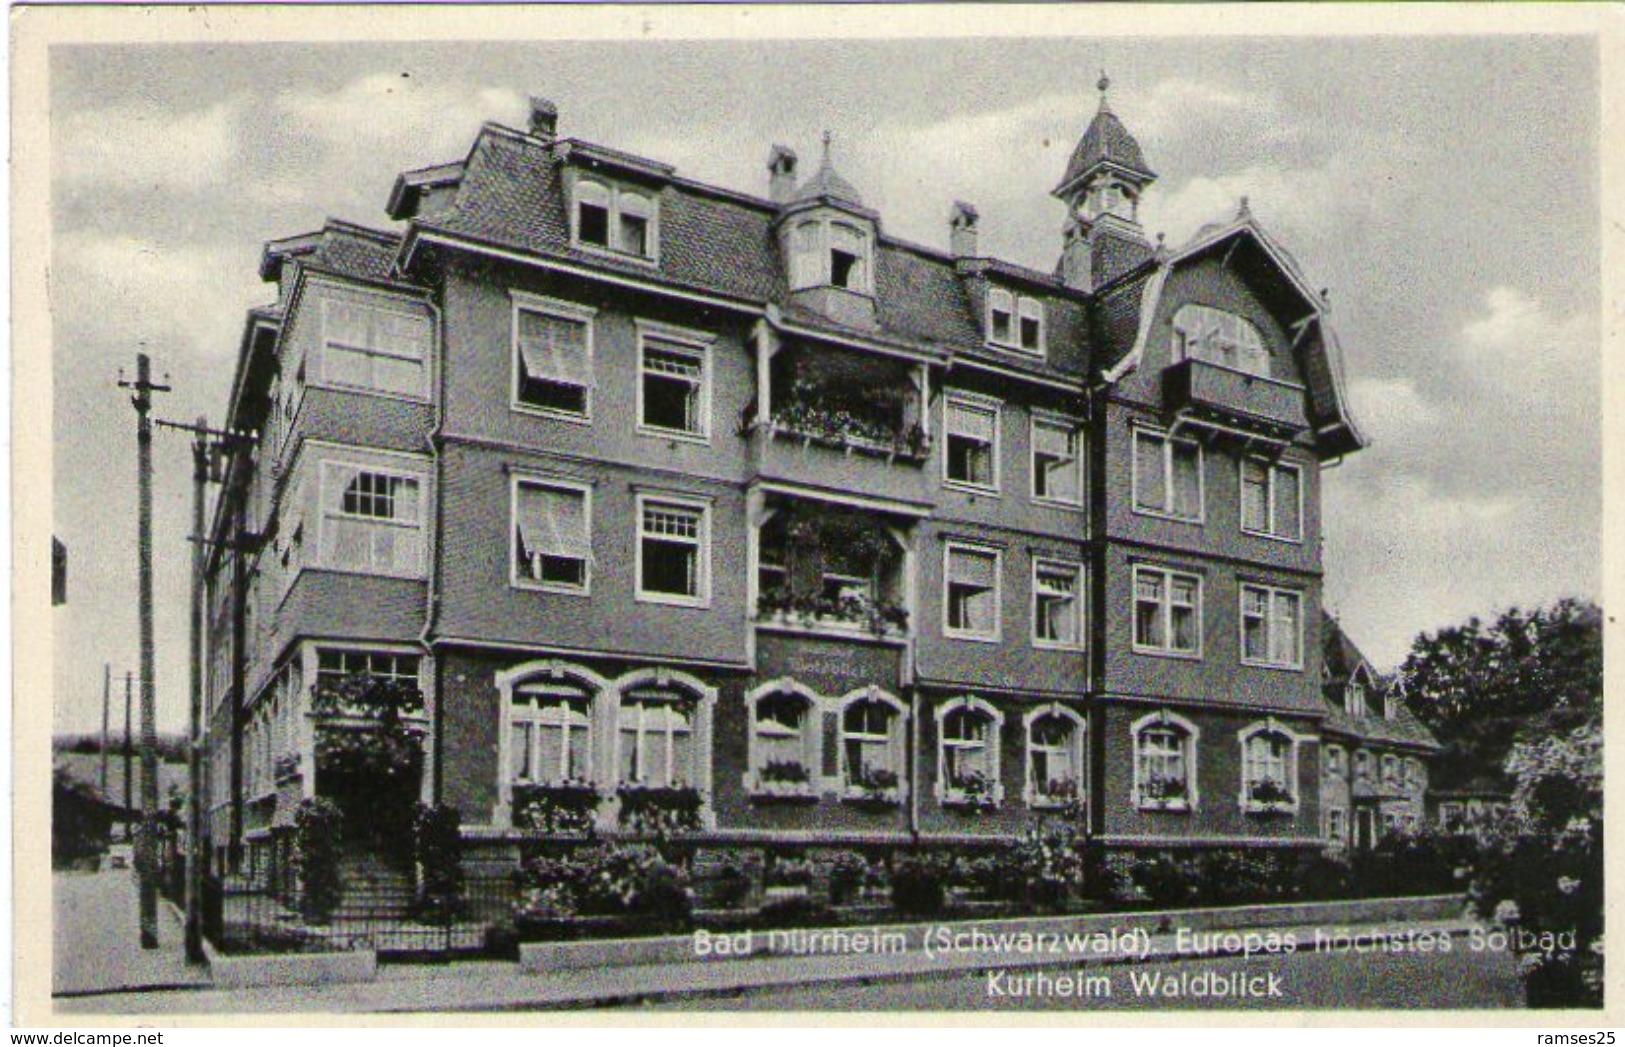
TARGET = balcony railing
(1240,397)
(849,434)
(850,616)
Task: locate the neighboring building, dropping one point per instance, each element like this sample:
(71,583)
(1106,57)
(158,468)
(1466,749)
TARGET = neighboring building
(649,483)
(1470,807)
(1377,754)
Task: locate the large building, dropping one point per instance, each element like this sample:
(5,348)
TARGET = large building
(655,486)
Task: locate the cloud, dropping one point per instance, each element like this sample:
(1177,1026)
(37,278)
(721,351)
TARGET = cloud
(137,146)
(396,112)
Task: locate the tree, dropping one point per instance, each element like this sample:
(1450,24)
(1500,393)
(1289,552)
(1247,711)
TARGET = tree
(1483,686)
(369,756)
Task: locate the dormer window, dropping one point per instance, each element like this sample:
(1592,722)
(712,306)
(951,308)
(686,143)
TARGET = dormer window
(609,218)
(1202,332)
(1015,323)
(829,253)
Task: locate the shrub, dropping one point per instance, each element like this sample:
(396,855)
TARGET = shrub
(1322,876)
(1046,865)
(437,852)
(605,880)
(796,911)
(919,884)
(1239,877)
(849,873)
(1166,881)
(318,825)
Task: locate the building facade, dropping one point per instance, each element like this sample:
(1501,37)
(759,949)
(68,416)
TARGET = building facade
(658,488)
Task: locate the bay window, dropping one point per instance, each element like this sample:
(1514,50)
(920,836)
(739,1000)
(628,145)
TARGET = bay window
(373,347)
(372,520)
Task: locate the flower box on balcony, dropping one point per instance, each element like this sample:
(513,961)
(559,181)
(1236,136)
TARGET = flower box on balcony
(556,807)
(848,435)
(660,810)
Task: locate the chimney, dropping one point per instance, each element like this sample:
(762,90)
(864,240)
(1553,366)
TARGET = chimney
(781,174)
(544,118)
(962,230)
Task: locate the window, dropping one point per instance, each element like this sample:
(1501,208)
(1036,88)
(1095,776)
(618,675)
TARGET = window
(673,389)
(1390,770)
(673,552)
(1165,762)
(830,253)
(551,736)
(1055,604)
(968,752)
(971,584)
(972,459)
(614,219)
(1015,323)
(1271,627)
(784,740)
(374,348)
(1167,476)
(1054,757)
(1450,817)
(1337,825)
(1219,337)
(1413,773)
(1334,761)
(552,357)
(657,739)
(334,666)
(1167,612)
(871,746)
(1057,463)
(552,535)
(1268,769)
(1354,701)
(372,520)
(1362,766)
(1271,499)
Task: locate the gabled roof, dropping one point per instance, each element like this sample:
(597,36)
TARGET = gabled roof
(1343,659)
(339,247)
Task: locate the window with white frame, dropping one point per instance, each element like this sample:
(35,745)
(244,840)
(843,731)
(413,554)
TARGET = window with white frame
(657,739)
(825,252)
(1057,466)
(1164,762)
(1271,627)
(1217,336)
(1054,758)
(971,592)
(550,734)
(784,739)
(1337,820)
(673,551)
(968,752)
(1167,476)
(1167,612)
(615,218)
(1390,770)
(871,746)
(1354,697)
(1271,499)
(1269,772)
(375,348)
(972,434)
(1056,617)
(372,520)
(1335,766)
(1362,766)
(552,357)
(552,534)
(334,666)
(1015,323)
(674,387)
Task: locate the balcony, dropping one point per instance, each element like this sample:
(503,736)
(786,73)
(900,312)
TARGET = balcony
(843,421)
(831,571)
(1233,396)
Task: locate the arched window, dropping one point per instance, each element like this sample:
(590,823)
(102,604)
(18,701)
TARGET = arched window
(1202,332)
(784,740)
(1269,768)
(872,745)
(551,735)
(1165,762)
(657,738)
(968,752)
(1055,777)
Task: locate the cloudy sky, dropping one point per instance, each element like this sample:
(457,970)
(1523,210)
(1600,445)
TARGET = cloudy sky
(1445,190)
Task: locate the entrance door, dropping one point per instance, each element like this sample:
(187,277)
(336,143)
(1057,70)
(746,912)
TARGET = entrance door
(1365,828)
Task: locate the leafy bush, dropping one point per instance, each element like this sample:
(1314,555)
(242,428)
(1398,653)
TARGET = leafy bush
(796,911)
(1048,865)
(919,884)
(318,825)
(437,849)
(849,873)
(605,880)
(1165,880)
(1408,862)
(1321,876)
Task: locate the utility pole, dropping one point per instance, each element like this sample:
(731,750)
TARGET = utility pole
(107,699)
(147,843)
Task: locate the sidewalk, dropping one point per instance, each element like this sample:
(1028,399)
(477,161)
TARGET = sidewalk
(96,938)
(496,985)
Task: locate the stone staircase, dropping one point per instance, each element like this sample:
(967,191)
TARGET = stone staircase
(374,890)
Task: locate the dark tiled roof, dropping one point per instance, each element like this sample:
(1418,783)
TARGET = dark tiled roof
(1403,729)
(353,250)
(826,183)
(1340,655)
(1342,658)
(1107,140)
